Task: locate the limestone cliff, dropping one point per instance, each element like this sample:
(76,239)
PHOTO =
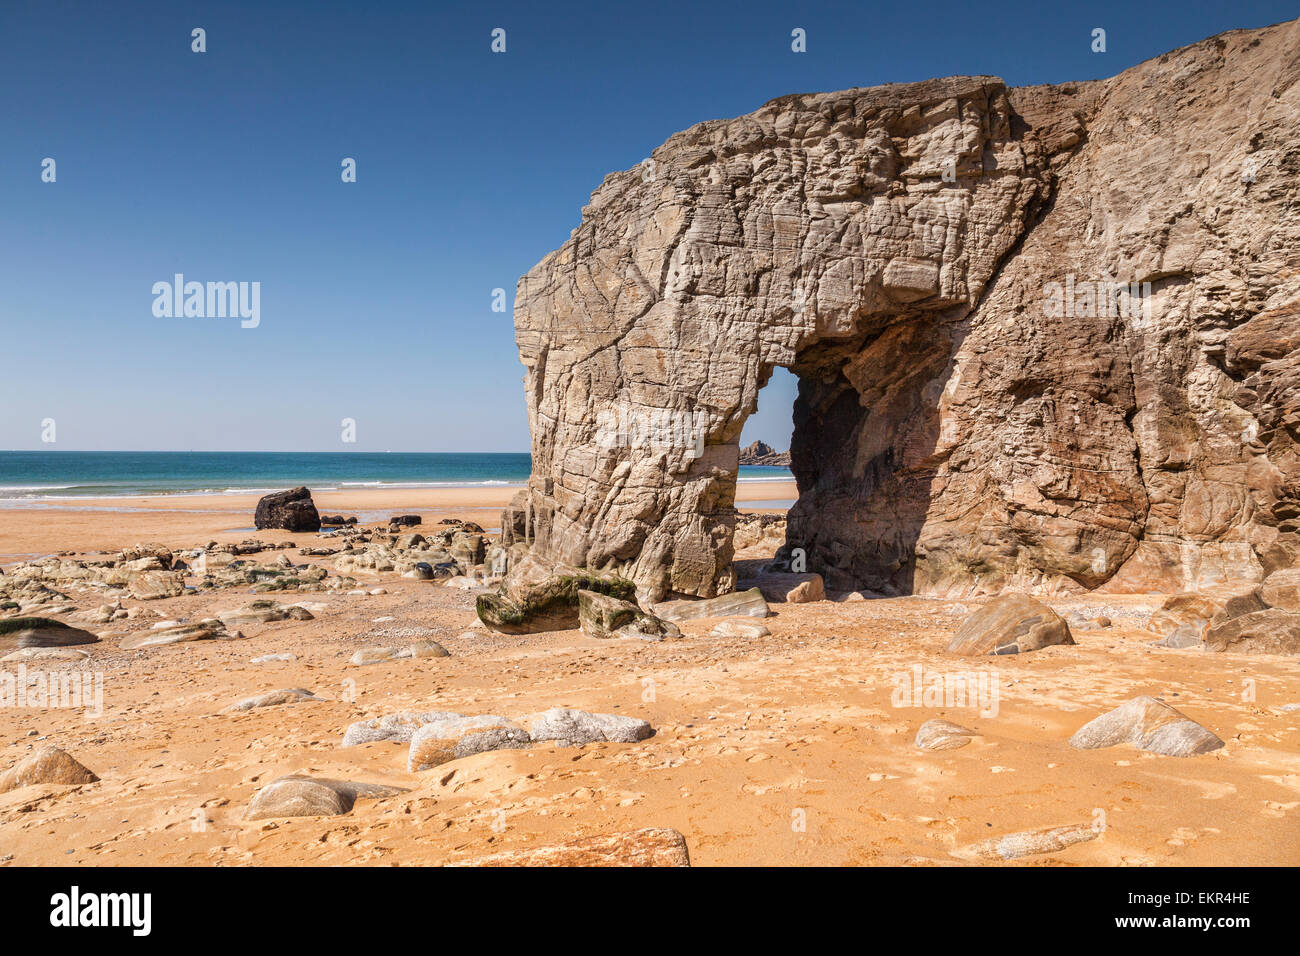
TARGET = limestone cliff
(1045,337)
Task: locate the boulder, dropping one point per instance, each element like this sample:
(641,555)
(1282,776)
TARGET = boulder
(736,604)
(1147,724)
(649,847)
(263,612)
(23,632)
(737,627)
(574,728)
(291,510)
(449,739)
(1010,624)
(209,629)
(49,765)
(1271,631)
(302,796)
(789,587)
(603,616)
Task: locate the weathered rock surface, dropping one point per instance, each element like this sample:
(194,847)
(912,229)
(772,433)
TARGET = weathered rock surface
(49,765)
(263,612)
(658,846)
(33,632)
(1147,724)
(209,629)
(291,510)
(273,698)
(603,616)
(398,728)
(1027,843)
(1010,624)
(1271,631)
(454,737)
(1281,590)
(528,603)
(977,406)
(736,604)
(573,728)
(301,796)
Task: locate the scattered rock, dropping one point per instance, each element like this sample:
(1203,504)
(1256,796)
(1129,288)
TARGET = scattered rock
(49,765)
(291,510)
(288,695)
(1281,589)
(1010,624)
(574,728)
(527,604)
(1148,724)
(209,629)
(399,727)
(739,628)
(454,737)
(943,735)
(301,796)
(603,616)
(264,612)
(1027,843)
(649,847)
(269,658)
(156,585)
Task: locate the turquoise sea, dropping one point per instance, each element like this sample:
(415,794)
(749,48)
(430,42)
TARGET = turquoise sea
(62,475)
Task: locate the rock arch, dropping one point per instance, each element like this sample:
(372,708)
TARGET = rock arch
(891,247)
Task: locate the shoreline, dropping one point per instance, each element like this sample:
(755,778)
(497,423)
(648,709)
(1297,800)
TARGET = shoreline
(37,528)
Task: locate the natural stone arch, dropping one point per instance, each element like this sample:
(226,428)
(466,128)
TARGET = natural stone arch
(891,247)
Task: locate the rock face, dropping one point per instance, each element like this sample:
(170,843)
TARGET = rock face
(1010,624)
(1043,336)
(291,510)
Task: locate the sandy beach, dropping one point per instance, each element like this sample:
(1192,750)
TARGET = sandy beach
(789,748)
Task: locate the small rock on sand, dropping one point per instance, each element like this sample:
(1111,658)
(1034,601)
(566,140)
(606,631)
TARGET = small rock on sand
(399,727)
(287,695)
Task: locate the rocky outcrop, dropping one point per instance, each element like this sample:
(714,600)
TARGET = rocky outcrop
(1045,337)
(291,510)
(761,453)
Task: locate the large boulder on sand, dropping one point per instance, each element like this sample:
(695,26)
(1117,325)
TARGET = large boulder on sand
(291,510)
(1010,624)
(603,616)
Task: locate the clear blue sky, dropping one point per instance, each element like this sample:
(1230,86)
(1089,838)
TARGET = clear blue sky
(376,295)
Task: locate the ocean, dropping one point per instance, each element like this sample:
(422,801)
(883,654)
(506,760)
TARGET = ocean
(63,475)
